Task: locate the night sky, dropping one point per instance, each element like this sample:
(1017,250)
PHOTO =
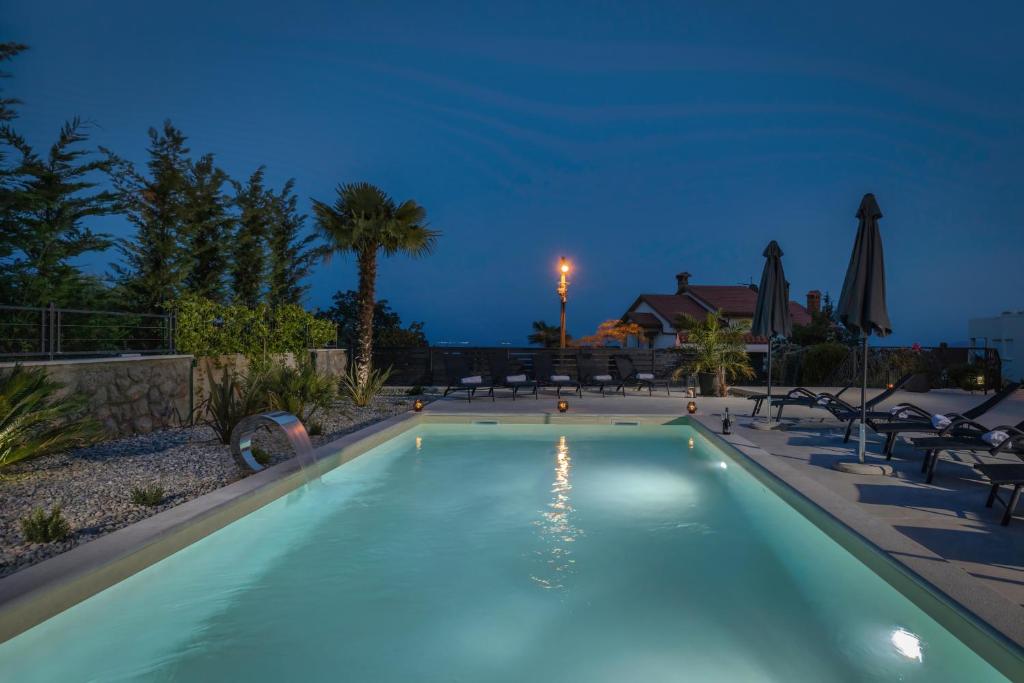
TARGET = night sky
(636,142)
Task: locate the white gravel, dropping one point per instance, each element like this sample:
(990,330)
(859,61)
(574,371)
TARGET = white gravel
(93,485)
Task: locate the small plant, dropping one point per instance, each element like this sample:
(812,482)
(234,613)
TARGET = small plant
(40,527)
(362,394)
(150,495)
(261,456)
(233,399)
(415,390)
(36,420)
(315,428)
(301,391)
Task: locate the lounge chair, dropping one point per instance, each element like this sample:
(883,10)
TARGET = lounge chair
(919,421)
(1000,474)
(546,375)
(797,396)
(630,375)
(508,374)
(461,378)
(965,436)
(592,375)
(849,413)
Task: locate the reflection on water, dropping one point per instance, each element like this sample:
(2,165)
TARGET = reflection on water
(556,527)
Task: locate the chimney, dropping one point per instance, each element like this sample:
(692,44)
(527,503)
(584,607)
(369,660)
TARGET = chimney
(814,301)
(682,282)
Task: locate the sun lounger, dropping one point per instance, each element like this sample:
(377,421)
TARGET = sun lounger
(797,396)
(920,420)
(507,374)
(594,376)
(630,375)
(1000,474)
(965,436)
(546,375)
(461,377)
(850,413)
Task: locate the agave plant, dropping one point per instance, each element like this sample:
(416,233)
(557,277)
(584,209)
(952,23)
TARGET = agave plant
(301,390)
(719,349)
(35,419)
(363,393)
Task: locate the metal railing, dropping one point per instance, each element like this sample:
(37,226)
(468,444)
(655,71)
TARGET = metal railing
(36,333)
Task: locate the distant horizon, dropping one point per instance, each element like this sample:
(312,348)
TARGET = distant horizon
(637,143)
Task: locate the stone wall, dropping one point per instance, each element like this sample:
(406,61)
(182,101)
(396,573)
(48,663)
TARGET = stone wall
(140,394)
(132,395)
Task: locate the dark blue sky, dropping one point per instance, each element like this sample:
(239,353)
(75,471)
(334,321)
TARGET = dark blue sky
(638,141)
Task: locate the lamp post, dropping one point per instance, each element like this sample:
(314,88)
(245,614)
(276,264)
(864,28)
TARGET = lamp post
(563,291)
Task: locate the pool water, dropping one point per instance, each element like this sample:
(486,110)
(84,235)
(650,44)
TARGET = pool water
(507,553)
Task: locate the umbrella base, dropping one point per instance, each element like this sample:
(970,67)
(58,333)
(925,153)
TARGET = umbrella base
(863,468)
(765,426)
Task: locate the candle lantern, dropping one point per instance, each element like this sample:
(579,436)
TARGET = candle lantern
(563,406)
(691,407)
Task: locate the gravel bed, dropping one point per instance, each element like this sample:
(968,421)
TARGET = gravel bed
(93,485)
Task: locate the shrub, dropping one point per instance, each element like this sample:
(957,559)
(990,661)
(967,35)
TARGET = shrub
(362,394)
(150,495)
(40,527)
(251,331)
(36,420)
(820,361)
(315,428)
(414,390)
(233,399)
(301,391)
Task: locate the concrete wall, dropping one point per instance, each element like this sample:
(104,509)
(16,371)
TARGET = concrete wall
(128,395)
(141,394)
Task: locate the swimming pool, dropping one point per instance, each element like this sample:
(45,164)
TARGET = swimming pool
(507,553)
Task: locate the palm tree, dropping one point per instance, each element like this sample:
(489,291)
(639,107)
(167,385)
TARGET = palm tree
(365,221)
(719,349)
(548,336)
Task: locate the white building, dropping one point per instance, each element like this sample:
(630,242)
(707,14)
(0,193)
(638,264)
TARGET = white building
(1005,333)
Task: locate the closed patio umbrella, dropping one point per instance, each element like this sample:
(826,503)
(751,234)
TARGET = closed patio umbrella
(862,304)
(771,312)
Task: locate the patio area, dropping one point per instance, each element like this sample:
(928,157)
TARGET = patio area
(947,519)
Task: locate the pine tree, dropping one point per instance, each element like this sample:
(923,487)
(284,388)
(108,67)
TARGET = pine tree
(155,265)
(206,230)
(47,201)
(248,257)
(290,254)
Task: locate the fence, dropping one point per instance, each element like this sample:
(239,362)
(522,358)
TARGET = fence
(425,365)
(51,333)
(964,367)
(944,366)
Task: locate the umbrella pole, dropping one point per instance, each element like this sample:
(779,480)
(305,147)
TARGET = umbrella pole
(769,401)
(863,404)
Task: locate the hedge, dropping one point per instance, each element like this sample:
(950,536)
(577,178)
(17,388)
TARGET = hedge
(207,328)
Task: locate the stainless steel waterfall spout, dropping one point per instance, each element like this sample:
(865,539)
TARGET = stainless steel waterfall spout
(241,438)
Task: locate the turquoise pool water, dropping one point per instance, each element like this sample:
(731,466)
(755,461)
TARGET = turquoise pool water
(507,553)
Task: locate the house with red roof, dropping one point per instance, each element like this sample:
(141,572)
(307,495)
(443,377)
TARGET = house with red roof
(657,313)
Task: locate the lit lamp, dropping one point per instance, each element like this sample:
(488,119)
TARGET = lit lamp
(980,379)
(563,406)
(562,291)
(690,442)
(890,385)
(417,405)
(691,407)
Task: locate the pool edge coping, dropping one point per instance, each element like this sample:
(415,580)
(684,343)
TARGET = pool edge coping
(32,595)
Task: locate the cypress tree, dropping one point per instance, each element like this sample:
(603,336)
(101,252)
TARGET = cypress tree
(47,202)
(248,248)
(207,228)
(291,255)
(155,266)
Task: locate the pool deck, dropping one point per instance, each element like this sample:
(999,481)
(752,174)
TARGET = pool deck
(947,518)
